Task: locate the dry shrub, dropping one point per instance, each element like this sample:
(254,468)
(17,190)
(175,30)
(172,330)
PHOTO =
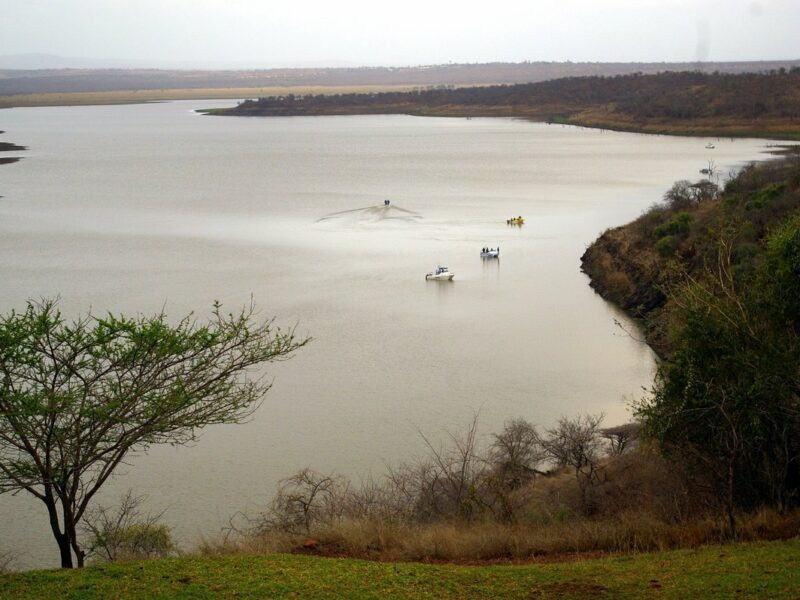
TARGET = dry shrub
(619,284)
(246,543)
(643,480)
(769,524)
(474,503)
(488,541)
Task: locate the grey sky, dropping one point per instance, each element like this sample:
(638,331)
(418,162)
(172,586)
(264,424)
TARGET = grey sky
(204,32)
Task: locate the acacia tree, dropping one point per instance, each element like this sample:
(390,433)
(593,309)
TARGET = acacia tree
(77,397)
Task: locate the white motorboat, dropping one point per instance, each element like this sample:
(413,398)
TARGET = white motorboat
(440,274)
(710,146)
(490,252)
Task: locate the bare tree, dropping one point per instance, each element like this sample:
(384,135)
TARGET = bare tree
(454,477)
(683,194)
(620,438)
(516,453)
(680,196)
(711,170)
(385,501)
(514,458)
(576,443)
(305,499)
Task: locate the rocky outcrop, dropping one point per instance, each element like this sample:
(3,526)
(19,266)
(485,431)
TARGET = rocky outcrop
(634,266)
(624,269)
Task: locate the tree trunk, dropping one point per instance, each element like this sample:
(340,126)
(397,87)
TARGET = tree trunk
(79,553)
(62,539)
(66,551)
(730,502)
(72,534)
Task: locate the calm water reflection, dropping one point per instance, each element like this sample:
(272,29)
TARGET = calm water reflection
(131,208)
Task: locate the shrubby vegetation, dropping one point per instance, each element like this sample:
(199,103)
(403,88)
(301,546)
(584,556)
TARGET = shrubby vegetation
(518,493)
(125,532)
(463,481)
(726,401)
(728,398)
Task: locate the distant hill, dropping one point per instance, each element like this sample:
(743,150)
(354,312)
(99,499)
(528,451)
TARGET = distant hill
(34,61)
(40,77)
(766,105)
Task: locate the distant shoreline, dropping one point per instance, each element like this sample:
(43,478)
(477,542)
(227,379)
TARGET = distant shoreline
(715,129)
(689,103)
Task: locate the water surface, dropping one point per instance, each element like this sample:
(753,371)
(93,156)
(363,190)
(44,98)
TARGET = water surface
(135,208)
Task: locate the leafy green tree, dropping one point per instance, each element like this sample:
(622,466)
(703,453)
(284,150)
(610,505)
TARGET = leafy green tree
(77,397)
(728,398)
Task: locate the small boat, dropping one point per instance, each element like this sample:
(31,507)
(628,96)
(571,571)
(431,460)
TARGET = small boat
(515,221)
(490,252)
(440,274)
(710,146)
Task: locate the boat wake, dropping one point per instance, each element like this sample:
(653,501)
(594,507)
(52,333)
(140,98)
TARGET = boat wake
(373,214)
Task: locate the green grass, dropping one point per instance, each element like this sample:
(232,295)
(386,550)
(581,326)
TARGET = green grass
(751,570)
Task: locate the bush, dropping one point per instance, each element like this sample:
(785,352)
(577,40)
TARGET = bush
(678,225)
(679,196)
(139,541)
(765,196)
(649,220)
(639,499)
(126,533)
(667,246)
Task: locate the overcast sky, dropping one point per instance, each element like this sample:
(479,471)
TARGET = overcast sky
(409,32)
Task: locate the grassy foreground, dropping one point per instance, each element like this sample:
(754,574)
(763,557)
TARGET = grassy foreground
(747,570)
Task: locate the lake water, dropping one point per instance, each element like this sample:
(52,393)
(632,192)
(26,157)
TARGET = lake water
(135,208)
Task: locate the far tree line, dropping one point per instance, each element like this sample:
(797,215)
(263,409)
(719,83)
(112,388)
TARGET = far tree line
(669,95)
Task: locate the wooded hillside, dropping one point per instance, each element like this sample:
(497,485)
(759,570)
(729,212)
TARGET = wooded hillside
(685,102)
